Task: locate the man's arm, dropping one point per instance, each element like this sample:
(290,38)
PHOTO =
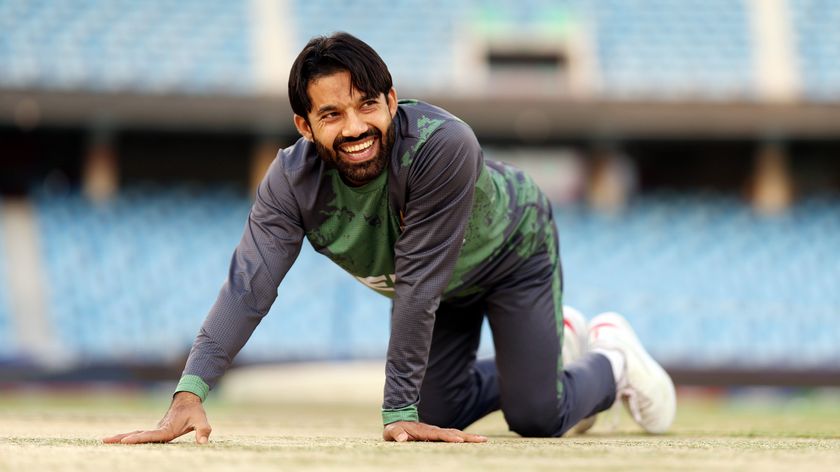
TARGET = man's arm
(439,200)
(270,244)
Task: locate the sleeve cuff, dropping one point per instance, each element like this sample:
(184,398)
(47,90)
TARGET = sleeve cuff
(408,413)
(193,384)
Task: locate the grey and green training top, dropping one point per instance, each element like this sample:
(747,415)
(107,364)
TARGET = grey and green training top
(439,223)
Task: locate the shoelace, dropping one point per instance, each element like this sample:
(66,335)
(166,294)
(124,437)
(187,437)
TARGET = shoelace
(635,403)
(631,400)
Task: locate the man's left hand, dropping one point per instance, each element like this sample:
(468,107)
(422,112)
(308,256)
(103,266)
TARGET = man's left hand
(402,431)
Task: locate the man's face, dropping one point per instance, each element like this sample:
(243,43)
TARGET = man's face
(352,131)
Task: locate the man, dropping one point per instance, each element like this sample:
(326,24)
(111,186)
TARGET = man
(399,195)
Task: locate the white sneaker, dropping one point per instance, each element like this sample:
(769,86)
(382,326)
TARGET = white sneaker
(575,334)
(645,388)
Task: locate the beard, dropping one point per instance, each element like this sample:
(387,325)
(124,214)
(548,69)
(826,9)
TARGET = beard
(359,173)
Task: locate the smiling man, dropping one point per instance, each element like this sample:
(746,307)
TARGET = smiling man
(399,194)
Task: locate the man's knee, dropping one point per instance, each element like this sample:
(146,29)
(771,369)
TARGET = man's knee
(533,421)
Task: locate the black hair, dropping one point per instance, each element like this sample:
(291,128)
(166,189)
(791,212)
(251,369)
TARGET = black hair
(325,55)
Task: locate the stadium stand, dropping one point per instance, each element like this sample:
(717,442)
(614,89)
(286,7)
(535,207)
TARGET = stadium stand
(710,284)
(7,348)
(706,282)
(663,51)
(817,41)
(669,50)
(127,278)
(133,279)
(192,46)
(417,24)
(666,50)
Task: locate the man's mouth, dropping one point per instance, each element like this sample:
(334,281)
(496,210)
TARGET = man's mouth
(361,150)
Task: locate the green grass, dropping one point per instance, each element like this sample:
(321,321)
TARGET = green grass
(62,432)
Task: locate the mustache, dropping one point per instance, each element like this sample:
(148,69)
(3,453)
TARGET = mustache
(371,132)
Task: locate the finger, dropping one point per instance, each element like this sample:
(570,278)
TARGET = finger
(398,434)
(395,433)
(449,433)
(202,433)
(118,437)
(448,436)
(467,437)
(433,433)
(152,436)
(425,432)
(474,438)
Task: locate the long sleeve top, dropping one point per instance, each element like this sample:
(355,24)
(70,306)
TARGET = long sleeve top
(438,223)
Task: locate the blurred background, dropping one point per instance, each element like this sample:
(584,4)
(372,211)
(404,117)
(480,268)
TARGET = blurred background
(690,148)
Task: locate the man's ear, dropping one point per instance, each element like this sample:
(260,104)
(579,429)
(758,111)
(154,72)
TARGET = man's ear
(392,101)
(303,128)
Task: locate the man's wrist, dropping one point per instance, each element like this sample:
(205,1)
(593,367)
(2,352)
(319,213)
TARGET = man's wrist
(185,397)
(408,413)
(195,385)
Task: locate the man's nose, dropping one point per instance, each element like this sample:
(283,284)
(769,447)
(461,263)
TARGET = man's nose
(354,125)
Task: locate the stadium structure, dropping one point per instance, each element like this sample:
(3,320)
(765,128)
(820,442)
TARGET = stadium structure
(690,148)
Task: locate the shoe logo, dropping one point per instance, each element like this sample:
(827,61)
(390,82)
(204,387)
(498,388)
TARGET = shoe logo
(593,330)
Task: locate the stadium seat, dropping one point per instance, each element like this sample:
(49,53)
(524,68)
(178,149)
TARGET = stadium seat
(705,281)
(708,282)
(816,38)
(191,46)
(134,278)
(7,346)
(664,50)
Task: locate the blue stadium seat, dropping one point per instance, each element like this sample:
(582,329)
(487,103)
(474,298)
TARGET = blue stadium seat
(707,282)
(704,280)
(668,49)
(7,346)
(817,41)
(134,279)
(191,46)
(662,49)
(415,38)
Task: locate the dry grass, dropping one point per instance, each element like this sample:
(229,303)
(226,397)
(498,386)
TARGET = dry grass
(309,432)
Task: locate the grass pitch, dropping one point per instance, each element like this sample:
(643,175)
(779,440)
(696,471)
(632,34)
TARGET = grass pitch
(303,427)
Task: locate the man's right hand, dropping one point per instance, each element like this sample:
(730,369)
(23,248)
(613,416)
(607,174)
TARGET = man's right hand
(402,431)
(185,414)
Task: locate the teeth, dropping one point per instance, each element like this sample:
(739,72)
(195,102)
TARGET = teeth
(359,147)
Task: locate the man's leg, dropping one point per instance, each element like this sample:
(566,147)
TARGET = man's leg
(456,389)
(538,397)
